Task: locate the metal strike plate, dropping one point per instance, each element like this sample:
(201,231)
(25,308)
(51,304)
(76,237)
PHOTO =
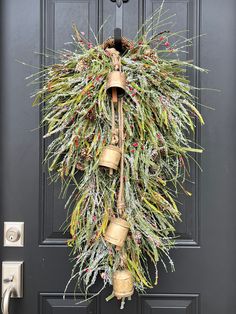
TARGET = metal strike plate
(13,234)
(12,274)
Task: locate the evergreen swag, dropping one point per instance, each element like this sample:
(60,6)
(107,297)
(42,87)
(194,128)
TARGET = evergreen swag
(160,116)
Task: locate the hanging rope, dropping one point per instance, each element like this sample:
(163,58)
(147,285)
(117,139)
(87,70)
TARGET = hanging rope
(121,199)
(114,131)
(115,57)
(116,60)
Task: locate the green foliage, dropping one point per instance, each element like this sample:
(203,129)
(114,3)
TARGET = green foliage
(160,118)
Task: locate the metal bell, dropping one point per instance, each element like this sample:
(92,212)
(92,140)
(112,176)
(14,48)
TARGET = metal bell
(117,231)
(123,285)
(110,157)
(117,80)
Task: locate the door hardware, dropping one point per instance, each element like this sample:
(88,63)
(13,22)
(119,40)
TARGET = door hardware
(12,283)
(13,234)
(12,275)
(7,280)
(119,2)
(6,299)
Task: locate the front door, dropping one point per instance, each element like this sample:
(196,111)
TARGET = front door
(205,256)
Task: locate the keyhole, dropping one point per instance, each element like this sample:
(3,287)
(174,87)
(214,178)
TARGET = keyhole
(13,234)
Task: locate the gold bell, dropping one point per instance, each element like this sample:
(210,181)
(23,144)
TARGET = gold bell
(123,285)
(117,231)
(110,157)
(116,80)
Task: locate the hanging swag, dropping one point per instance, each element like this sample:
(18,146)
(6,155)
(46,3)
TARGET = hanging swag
(121,134)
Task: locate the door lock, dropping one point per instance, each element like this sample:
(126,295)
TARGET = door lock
(12,276)
(12,283)
(13,234)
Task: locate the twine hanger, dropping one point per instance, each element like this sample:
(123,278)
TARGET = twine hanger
(116,61)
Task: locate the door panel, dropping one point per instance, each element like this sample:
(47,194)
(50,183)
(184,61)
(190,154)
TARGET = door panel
(205,255)
(57,16)
(53,303)
(170,304)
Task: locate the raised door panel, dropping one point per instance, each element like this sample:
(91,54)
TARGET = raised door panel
(184,19)
(57,17)
(53,303)
(169,304)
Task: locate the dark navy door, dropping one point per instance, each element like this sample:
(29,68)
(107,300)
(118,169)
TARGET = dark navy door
(205,254)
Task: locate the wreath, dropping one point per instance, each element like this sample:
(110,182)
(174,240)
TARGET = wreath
(122,132)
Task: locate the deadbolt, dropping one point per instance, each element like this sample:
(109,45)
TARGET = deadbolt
(13,234)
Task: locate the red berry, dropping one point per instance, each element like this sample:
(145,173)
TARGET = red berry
(76,141)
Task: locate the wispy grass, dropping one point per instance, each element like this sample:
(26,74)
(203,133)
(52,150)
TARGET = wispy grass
(160,115)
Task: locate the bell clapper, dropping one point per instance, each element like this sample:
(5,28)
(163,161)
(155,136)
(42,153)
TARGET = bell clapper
(114,95)
(122,305)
